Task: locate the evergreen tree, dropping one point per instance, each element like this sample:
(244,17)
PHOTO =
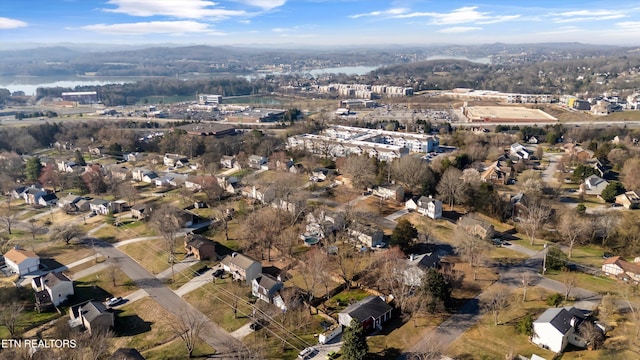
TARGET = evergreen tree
(355,345)
(436,286)
(33,168)
(403,234)
(79,158)
(612,190)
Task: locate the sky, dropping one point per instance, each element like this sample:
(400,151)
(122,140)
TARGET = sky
(307,23)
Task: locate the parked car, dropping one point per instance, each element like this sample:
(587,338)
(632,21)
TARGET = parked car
(114,301)
(307,353)
(202,270)
(218,273)
(607,255)
(258,324)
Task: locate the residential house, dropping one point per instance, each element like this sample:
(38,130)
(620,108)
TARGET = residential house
(200,247)
(56,284)
(21,262)
(371,311)
(533,140)
(93,316)
(32,195)
(519,206)
(175,160)
(519,151)
(256,161)
(426,206)
(230,184)
(496,173)
(229,162)
(265,287)
(69,200)
(368,235)
(120,172)
(593,185)
(297,169)
(18,193)
(476,227)
(48,200)
(629,200)
(391,191)
(68,166)
(83,205)
(241,267)
(323,224)
(96,150)
(320,174)
(417,266)
(135,156)
(262,194)
(143,175)
(99,206)
(118,206)
(558,327)
(140,211)
(620,268)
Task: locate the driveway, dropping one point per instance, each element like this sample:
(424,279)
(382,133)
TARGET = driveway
(397,214)
(551,169)
(211,333)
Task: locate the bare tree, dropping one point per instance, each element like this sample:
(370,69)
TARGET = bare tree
(166,221)
(569,280)
(606,225)
(361,170)
(126,190)
(428,349)
(525,280)
(412,172)
(8,219)
(96,345)
(451,188)
(112,272)
(188,327)
(263,229)
(471,248)
(237,294)
(592,335)
(495,300)
(572,228)
(34,228)
(631,174)
(349,260)
(66,232)
(9,315)
(534,218)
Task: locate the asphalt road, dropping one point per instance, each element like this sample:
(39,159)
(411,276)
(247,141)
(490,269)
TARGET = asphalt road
(212,334)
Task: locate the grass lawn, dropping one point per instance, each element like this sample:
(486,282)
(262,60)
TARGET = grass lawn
(296,279)
(505,255)
(103,281)
(143,325)
(183,277)
(176,349)
(599,284)
(150,254)
(84,266)
(66,254)
(215,302)
(590,255)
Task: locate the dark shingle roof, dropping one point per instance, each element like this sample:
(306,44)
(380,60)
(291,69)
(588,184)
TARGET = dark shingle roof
(372,306)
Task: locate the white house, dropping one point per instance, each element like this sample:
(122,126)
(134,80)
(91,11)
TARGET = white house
(620,268)
(367,235)
(519,151)
(556,328)
(593,185)
(265,287)
(21,261)
(426,206)
(99,206)
(417,266)
(56,284)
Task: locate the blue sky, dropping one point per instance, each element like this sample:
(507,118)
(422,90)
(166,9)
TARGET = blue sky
(318,22)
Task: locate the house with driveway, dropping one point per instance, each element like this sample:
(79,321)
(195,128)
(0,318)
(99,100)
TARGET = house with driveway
(265,287)
(558,327)
(593,185)
(21,262)
(57,285)
(241,267)
(200,247)
(93,316)
(426,206)
(371,311)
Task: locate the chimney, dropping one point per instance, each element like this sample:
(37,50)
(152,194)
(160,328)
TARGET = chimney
(411,257)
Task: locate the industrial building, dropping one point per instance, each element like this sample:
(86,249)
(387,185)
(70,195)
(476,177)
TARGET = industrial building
(81,97)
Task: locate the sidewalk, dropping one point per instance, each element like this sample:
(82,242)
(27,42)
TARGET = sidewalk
(92,270)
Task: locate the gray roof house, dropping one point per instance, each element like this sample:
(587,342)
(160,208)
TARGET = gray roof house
(93,315)
(265,287)
(241,267)
(417,265)
(593,185)
(371,311)
(557,327)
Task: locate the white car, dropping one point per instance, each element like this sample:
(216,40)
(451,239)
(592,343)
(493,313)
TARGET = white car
(114,301)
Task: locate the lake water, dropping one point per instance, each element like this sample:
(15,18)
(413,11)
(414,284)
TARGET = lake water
(29,84)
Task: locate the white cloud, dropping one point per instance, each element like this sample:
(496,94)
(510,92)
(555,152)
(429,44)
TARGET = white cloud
(463,15)
(588,15)
(151,27)
(183,9)
(629,25)
(459,29)
(7,23)
(390,12)
(264,4)
(281,30)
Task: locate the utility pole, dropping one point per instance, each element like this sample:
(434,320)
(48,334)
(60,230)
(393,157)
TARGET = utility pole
(544,260)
